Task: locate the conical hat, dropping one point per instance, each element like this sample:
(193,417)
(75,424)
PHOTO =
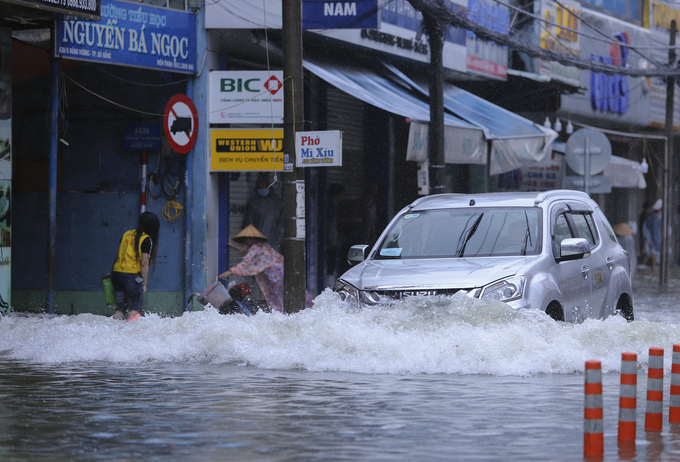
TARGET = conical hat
(622,229)
(249,232)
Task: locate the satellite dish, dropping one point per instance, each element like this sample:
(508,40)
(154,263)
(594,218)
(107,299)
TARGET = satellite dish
(598,148)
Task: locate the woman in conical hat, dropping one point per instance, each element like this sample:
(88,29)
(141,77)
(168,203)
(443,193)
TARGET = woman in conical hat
(263,262)
(247,233)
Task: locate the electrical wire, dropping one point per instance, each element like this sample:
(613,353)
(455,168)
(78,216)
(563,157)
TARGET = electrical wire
(173,211)
(271,103)
(443,15)
(458,20)
(139,84)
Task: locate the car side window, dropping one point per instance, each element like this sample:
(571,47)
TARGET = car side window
(562,231)
(593,228)
(607,226)
(585,227)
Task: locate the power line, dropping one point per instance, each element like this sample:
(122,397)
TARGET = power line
(438,10)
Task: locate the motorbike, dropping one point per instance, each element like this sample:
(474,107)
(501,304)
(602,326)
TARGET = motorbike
(232,299)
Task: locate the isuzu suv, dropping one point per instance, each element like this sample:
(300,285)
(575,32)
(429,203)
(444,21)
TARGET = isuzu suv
(553,251)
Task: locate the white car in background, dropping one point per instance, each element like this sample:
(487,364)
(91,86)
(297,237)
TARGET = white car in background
(553,251)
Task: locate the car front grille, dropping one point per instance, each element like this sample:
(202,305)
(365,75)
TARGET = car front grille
(401,294)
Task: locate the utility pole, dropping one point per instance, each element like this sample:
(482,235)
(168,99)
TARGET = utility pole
(294,266)
(668,164)
(436,31)
(436,19)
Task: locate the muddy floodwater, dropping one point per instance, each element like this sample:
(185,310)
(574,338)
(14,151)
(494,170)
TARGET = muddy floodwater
(430,379)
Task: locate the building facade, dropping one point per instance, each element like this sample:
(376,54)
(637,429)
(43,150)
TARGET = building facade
(90,146)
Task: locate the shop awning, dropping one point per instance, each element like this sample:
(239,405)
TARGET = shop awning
(470,121)
(463,141)
(515,140)
(625,173)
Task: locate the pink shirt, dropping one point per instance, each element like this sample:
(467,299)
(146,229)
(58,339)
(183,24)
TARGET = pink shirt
(266,264)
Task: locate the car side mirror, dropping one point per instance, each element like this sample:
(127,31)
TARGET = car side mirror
(574,249)
(357,254)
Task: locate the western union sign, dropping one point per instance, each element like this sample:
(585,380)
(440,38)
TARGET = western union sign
(259,150)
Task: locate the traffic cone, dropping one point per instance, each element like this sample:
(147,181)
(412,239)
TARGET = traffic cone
(593,439)
(654,412)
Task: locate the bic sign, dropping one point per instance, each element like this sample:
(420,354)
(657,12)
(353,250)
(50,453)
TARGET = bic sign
(246,97)
(229,85)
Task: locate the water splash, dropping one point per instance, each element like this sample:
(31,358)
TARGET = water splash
(436,335)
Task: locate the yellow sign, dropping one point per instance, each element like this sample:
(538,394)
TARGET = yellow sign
(259,150)
(663,14)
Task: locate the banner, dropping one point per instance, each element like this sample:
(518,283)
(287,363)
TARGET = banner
(257,150)
(130,34)
(243,97)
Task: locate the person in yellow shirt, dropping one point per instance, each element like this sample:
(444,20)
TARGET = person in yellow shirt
(136,252)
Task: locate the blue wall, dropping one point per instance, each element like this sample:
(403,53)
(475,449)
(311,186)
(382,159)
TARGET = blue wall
(98,180)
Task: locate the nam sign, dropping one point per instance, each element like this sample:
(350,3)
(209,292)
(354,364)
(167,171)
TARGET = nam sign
(358,14)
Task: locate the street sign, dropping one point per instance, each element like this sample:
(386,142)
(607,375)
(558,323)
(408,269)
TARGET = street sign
(600,184)
(142,138)
(588,147)
(319,149)
(181,123)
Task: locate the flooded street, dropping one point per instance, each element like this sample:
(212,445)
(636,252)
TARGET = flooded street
(432,379)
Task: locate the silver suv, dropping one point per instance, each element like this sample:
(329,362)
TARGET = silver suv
(553,251)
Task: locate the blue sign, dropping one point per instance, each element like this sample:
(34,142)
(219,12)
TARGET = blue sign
(357,14)
(611,93)
(130,34)
(401,13)
(142,138)
(489,16)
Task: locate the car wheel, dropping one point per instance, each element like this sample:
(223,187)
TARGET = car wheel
(555,311)
(625,308)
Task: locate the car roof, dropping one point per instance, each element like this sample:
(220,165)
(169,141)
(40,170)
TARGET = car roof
(498,199)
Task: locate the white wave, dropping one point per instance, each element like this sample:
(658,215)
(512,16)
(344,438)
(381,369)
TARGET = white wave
(434,335)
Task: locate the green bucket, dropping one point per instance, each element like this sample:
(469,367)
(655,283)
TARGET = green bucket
(108,290)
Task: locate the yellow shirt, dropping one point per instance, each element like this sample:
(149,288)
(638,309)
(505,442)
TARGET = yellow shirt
(127,260)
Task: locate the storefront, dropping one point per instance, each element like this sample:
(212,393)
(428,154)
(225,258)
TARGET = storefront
(89,154)
(382,114)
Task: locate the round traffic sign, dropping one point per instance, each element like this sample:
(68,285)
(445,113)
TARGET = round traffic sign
(588,142)
(181,123)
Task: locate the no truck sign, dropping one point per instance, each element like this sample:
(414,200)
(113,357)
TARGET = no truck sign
(181,123)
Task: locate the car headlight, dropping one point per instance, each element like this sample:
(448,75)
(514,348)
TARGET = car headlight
(505,290)
(348,292)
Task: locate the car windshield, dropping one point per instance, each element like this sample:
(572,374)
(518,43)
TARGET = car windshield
(464,232)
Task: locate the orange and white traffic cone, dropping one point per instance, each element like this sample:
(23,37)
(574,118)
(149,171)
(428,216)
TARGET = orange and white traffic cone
(674,400)
(628,399)
(593,439)
(654,411)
